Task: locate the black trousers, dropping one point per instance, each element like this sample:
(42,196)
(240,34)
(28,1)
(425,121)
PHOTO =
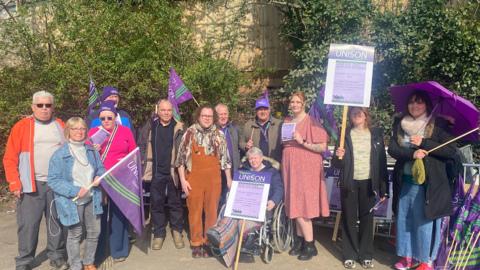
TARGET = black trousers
(362,199)
(162,186)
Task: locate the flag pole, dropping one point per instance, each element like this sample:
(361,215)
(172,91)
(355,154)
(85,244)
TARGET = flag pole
(452,140)
(239,246)
(446,262)
(195,101)
(466,250)
(344,127)
(88,188)
(460,257)
(468,258)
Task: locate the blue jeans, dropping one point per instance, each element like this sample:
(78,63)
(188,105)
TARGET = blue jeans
(92,224)
(415,234)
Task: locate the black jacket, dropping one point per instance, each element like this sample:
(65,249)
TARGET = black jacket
(378,163)
(276,185)
(438,197)
(146,151)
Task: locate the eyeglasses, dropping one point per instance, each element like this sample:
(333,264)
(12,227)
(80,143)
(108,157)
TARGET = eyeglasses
(109,118)
(78,129)
(40,105)
(207,116)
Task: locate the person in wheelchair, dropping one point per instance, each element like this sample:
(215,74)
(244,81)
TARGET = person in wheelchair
(222,235)
(255,161)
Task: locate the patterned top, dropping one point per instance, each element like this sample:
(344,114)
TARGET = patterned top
(211,139)
(407,167)
(362,147)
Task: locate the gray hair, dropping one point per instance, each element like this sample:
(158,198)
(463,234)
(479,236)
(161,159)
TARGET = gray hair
(164,100)
(254,151)
(41,94)
(73,122)
(221,105)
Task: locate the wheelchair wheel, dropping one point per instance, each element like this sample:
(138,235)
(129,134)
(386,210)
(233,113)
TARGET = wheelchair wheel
(282,229)
(215,251)
(268,254)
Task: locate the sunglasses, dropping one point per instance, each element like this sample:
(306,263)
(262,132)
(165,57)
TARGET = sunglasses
(40,105)
(109,118)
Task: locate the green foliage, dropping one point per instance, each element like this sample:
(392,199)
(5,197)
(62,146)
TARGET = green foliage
(129,44)
(426,41)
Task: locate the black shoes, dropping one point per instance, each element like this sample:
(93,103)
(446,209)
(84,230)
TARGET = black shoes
(309,250)
(59,264)
(297,246)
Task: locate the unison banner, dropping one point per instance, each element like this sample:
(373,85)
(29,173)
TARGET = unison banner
(123,183)
(248,195)
(349,75)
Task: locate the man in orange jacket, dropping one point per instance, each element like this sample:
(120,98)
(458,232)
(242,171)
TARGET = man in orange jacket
(32,142)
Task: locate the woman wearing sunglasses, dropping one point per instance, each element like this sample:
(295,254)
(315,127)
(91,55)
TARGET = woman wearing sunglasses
(113,149)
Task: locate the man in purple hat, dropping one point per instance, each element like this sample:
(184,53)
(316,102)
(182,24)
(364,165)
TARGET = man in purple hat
(123,118)
(263,132)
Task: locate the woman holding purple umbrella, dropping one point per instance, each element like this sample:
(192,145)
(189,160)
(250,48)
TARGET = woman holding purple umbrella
(419,207)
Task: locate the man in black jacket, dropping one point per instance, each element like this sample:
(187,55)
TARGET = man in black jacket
(159,141)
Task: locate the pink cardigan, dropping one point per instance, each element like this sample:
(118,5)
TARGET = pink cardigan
(122,144)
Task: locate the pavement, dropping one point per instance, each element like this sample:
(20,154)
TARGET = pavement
(143,257)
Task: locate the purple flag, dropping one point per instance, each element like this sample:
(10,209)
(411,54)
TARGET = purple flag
(171,97)
(93,98)
(179,89)
(265,95)
(123,183)
(463,211)
(325,112)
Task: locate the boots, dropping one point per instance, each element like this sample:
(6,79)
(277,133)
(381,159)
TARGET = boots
(297,246)
(309,250)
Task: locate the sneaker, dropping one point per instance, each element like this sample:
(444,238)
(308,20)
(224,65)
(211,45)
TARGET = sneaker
(349,264)
(424,266)
(367,264)
(59,264)
(406,263)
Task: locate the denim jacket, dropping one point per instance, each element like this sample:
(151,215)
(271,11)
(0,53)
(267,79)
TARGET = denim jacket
(61,182)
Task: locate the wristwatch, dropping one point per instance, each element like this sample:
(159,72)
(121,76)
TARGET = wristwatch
(304,141)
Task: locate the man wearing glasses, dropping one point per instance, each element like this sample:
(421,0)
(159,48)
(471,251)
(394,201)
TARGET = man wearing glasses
(123,118)
(203,153)
(159,141)
(32,142)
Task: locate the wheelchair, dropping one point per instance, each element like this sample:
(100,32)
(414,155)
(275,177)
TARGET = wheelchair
(275,233)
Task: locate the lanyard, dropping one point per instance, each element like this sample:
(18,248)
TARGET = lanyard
(264,132)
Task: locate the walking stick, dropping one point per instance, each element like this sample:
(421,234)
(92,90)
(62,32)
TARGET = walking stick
(239,246)
(446,262)
(468,258)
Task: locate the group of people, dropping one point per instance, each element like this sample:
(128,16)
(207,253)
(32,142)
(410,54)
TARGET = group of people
(49,163)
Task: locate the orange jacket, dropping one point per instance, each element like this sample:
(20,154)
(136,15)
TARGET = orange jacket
(18,159)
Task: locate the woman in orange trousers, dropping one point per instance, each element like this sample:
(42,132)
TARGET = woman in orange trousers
(202,154)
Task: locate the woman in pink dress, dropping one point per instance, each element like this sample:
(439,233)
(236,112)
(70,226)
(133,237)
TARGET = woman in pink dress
(302,170)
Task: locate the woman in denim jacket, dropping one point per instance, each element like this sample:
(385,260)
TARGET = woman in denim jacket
(72,169)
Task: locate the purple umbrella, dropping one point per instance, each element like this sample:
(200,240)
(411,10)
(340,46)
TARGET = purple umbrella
(465,114)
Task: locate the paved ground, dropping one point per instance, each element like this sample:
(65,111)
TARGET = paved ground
(143,257)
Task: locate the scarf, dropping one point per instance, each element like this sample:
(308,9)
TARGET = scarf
(412,126)
(212,141)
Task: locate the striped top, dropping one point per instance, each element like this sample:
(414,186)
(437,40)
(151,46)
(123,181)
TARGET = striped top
(361,141)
